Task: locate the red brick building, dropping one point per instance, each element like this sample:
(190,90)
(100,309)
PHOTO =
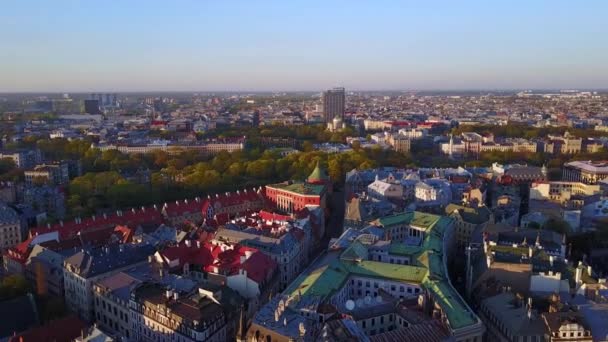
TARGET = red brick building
(292,197)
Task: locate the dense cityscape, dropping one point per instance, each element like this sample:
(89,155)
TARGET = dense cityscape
(330,216)
(303,171)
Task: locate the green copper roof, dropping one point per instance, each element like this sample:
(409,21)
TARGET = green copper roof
(428,268)
(321,282)
(398,248)
(300,188)
(376,269)
(417,219)
(318,174)
(355,251)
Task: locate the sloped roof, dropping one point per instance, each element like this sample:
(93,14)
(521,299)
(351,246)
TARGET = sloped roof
(318,174)
(477,215)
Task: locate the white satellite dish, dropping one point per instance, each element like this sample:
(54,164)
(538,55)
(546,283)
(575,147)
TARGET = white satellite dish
(350,305)
(368,299)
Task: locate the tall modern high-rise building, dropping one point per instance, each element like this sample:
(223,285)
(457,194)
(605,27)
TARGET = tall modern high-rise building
(106,100)
(92,107)
(333,103)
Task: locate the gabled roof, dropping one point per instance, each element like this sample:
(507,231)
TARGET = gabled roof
(61,330)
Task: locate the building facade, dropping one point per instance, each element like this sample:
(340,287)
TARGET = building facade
(10,227)
(333,104)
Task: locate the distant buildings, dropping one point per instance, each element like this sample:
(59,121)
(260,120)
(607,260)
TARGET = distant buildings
(333,104)
(23,159)
(10,227)
(209,147)
(92,107)
(588,172)
(105,100)
(52,174)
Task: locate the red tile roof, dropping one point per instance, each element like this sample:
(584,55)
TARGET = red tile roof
(60,330)
(210,258)
(259,266)
(271,216)
(126,233)
(194,255)
(20,252)
(132,217)
(185,207)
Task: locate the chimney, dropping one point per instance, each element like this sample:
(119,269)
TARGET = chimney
(175,295)
(530,252)
(578,275)
(168,294)
(489,261)
(551,258)
(589,270)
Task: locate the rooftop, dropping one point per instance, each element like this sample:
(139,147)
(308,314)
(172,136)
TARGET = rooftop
(329,273)
(300,188)
(89,263)
(416,219)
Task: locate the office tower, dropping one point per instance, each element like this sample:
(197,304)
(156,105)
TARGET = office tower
(91,107)
(333,104)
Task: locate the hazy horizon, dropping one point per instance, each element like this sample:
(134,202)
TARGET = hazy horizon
(274,46)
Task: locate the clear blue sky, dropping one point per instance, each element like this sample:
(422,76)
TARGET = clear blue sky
(129,45)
